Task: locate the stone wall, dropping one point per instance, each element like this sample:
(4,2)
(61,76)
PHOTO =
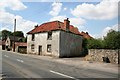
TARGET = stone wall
(22,49)
(98,54)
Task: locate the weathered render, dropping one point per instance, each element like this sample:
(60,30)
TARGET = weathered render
(70,44)
(41,40)
(65,40)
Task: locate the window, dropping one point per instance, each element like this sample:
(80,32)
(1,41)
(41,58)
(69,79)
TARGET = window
(32,47)
(49,35)
(49,48)
(33,37)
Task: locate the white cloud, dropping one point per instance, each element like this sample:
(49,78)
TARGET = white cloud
(8,18)
(77,22)
(5,28)
(24,25)
(56,9)
(105,10)
(65,9)
(59,18)
(12,4)
(105,31)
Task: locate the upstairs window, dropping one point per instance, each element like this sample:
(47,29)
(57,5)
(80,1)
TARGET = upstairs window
(33,37)
(49,48)
(49,35)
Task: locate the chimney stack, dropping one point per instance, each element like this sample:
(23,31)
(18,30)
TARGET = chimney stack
(36,25)
(67,24)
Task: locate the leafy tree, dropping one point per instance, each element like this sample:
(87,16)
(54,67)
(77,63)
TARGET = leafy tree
(23,39)
(18,33)
(84,47)
(95,43)
(112,40)
(6,33)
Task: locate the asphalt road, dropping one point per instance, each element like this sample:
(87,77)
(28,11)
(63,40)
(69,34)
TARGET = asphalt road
(19,66)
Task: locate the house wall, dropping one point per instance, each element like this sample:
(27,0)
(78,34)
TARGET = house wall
(8,42)
(41,40)
(70,44)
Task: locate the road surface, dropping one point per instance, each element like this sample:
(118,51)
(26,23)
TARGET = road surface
(19,66)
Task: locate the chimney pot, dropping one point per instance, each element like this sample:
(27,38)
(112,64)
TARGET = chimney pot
(36,26)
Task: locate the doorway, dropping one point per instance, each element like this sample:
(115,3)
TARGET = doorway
(40,50)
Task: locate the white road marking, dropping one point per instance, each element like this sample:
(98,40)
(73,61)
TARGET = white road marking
(5,55)
(20,60)
(63,75)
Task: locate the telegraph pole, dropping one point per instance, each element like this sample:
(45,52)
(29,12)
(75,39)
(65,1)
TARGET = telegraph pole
(14,35)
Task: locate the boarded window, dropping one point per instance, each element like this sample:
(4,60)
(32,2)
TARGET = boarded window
(49,35)
(32,47)
(49,48)
(33,37)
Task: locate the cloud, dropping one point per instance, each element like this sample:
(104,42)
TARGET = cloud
(24,25)
(77,22)
(105,10)
(105,31)
(12,4)
(56,8)
(5,28)
(7,19)
(59,18)
(65,9)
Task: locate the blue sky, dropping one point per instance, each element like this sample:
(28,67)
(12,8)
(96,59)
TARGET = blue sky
(97,18)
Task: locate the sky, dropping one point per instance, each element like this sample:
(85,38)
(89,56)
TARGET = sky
(96,17)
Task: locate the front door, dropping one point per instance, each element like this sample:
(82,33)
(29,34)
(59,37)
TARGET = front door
(40,50)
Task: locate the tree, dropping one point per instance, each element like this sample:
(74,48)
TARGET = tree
(112,40)
(95,43)
(5,33)
(84,47)
(18,33)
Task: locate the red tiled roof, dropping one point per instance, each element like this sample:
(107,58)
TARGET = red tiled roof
(54,25)
(85,35)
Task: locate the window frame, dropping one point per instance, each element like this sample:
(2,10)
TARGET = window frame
(49,48)
(32,47)
(49,35)
(33,37)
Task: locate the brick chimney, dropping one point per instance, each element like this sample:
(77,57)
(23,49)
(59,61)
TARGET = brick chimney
(66,24)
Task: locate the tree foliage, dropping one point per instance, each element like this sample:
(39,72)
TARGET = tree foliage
(6,33)
(18,33)
(95,43)
(84,47)
(111,41)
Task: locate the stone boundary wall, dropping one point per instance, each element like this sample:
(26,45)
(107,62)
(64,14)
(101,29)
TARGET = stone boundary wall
(98,54)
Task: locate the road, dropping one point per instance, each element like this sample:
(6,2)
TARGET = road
(19,66)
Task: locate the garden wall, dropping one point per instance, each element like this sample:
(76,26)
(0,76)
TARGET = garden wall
(101,54)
